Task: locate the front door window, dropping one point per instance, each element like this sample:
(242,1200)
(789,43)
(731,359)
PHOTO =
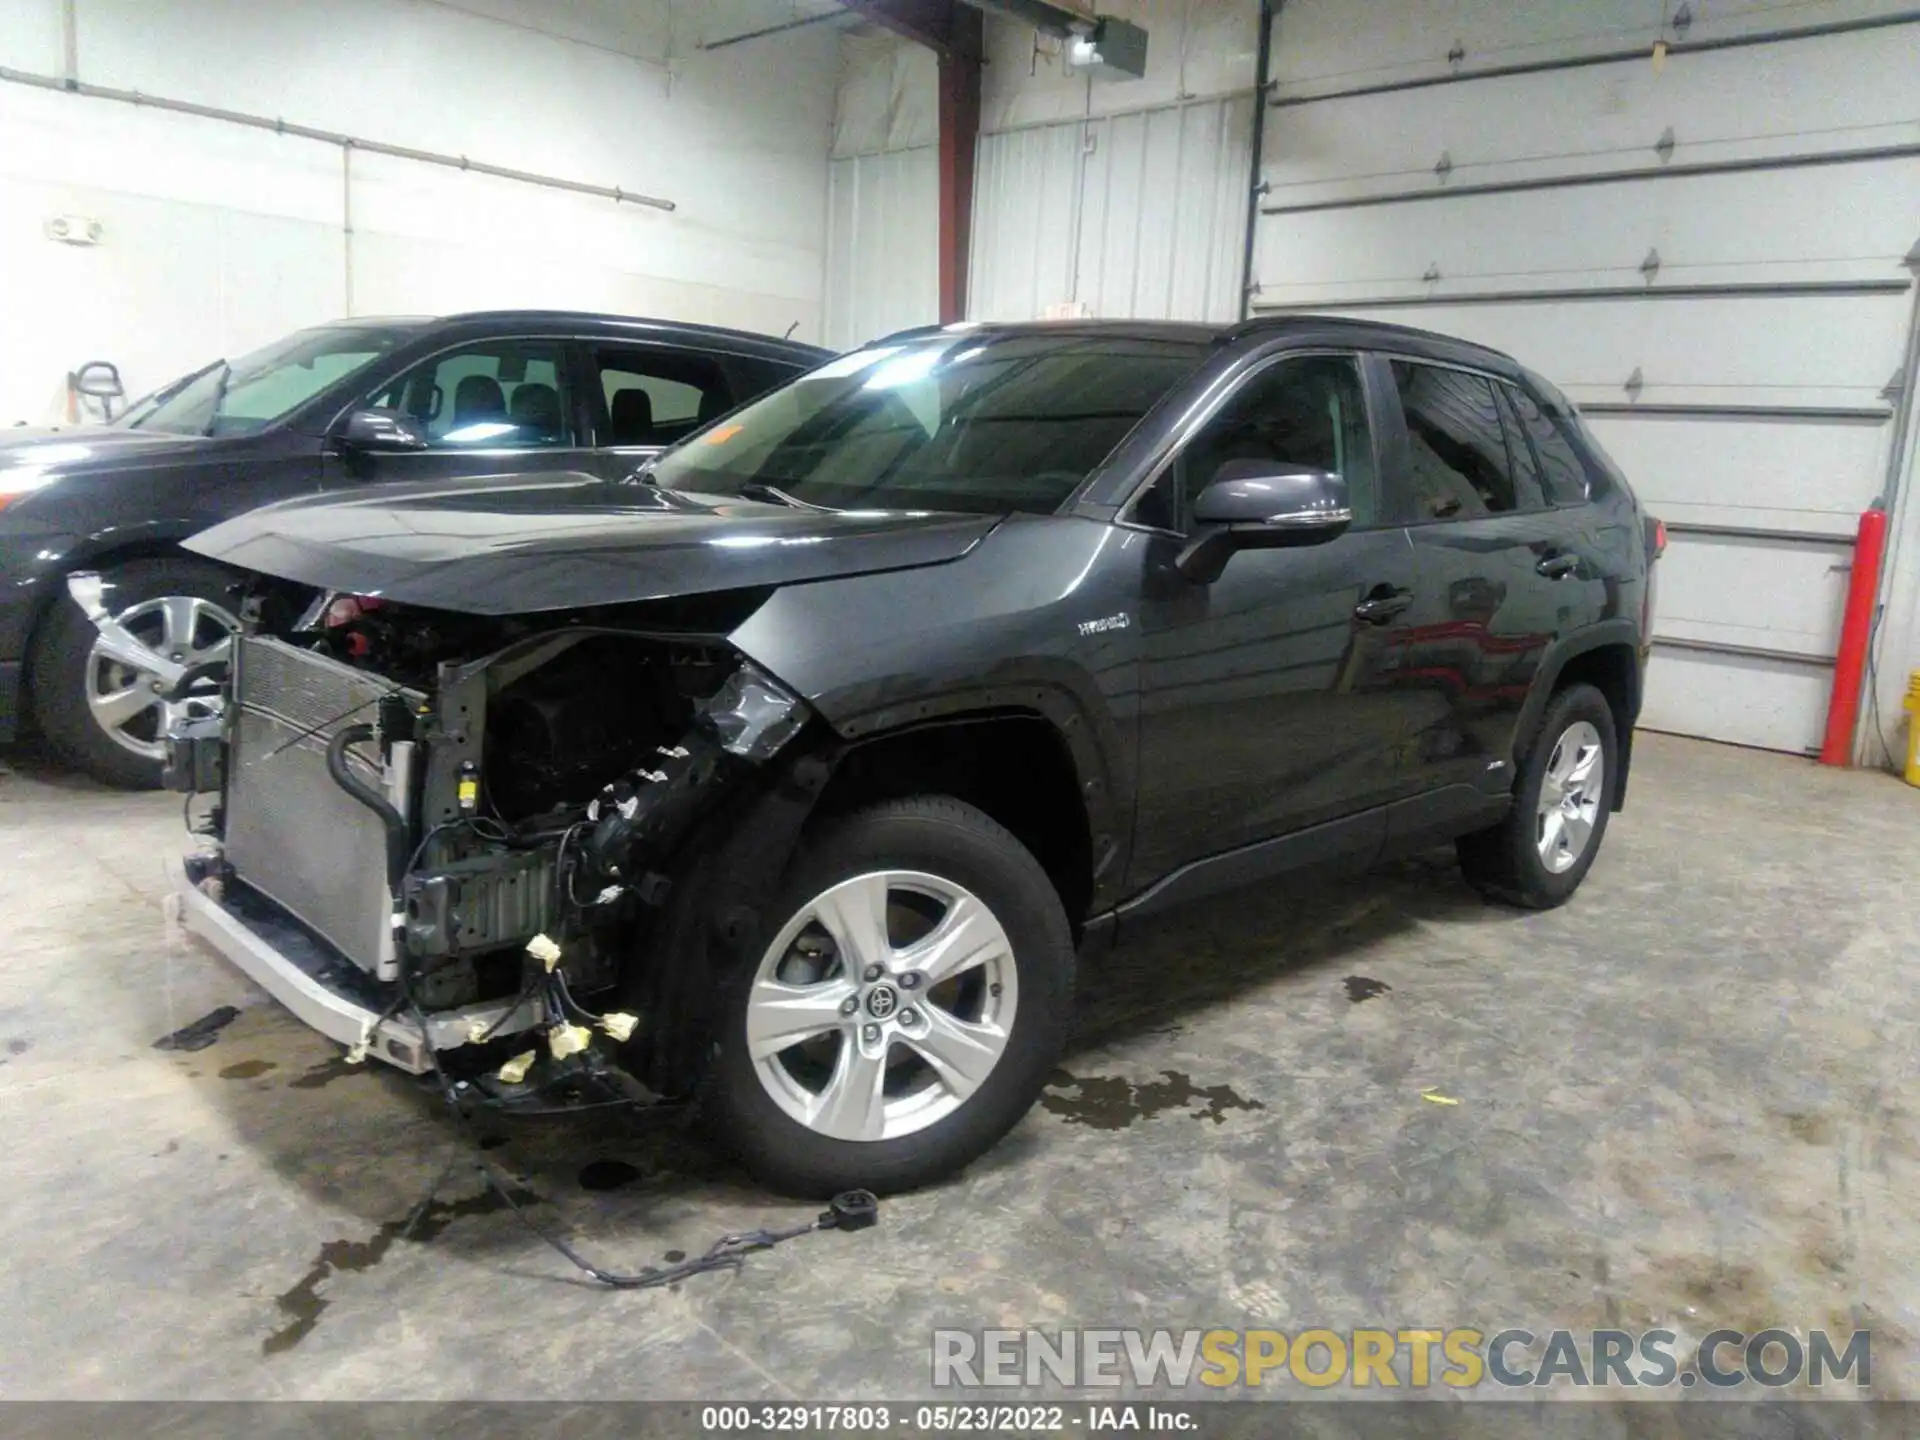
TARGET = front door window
(497,395)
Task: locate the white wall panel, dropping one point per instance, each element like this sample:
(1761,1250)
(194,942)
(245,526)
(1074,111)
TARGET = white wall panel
(888,97)
(1836,92)
(1765,594)
(1773,704)
(1026,202)
(883,235)
(1835,224)
(1814,477)
(1714,351)
(1138,216)
(197,259)
(1319,47)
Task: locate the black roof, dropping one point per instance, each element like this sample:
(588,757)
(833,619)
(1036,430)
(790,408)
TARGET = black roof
(489,322)
(1331,329)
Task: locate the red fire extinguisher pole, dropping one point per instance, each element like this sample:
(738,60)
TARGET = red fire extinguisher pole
(1856,630)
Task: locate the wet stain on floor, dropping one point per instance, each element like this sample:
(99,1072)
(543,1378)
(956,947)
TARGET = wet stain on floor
(201,1033)
(247,1069)
(304,1303)
(1108,1102)
(325,1073)
(1359,988)
(607,1174)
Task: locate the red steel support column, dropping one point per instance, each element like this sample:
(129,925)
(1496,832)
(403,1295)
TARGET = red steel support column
(959,136)
(1856,632)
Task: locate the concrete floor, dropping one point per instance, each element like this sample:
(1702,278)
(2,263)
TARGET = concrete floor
(1687,1098)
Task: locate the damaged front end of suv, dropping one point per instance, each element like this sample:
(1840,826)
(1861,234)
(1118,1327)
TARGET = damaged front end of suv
(492,845)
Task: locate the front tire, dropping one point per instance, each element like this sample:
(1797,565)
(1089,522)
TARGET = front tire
(910,998)
(1537,856)
(102,716)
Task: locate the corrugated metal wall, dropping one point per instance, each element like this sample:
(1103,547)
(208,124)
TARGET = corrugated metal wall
(883,192)
(883,223)
(1127,196)
(1138,215)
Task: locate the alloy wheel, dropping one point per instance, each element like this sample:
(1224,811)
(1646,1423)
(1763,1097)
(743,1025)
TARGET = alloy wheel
(169,634)
(882,1006)
(1571,793)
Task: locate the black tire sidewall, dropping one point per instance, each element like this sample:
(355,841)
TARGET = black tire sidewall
(954,841)
(58,671)
(1567,708)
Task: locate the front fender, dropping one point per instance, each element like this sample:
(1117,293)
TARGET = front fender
(996,632)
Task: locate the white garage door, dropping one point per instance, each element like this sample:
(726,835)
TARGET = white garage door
(1696,218)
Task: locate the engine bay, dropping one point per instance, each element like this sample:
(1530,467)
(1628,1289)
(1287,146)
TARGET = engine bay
(477,813)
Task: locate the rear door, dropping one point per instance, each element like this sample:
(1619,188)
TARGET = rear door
(1501,573)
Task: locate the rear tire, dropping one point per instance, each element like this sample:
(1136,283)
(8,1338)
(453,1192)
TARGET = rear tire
(64,671)
(1537,856)
(953,1009)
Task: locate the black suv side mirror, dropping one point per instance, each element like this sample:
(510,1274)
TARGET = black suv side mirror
(1258,505)
(375,429)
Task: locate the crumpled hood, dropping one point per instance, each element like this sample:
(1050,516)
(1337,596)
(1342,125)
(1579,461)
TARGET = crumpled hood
(515,546)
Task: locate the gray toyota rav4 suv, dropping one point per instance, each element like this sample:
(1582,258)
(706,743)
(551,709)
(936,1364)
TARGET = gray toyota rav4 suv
(793,772)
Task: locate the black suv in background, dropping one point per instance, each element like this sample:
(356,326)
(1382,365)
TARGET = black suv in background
(345,404)
(791,773)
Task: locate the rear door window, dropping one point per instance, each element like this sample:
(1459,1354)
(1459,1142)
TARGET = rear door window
(657,397)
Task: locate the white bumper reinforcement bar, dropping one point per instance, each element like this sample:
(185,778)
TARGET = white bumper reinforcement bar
(396,1041)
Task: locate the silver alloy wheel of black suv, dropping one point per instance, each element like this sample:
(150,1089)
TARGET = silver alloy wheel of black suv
(861,1038)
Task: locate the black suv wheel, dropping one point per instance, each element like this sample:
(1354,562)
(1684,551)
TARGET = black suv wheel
(909,1001)
(1540,853)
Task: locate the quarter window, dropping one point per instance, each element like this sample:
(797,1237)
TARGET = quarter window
(502,394)
(1458,461)
(1562,475)
(1310,412)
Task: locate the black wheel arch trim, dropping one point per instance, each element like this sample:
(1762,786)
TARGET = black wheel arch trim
(1088,733)
(1615,631)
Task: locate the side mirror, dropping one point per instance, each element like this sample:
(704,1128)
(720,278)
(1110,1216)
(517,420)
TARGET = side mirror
(375,429)
(1258,505)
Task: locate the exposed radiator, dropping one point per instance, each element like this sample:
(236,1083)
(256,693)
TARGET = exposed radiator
(291,832)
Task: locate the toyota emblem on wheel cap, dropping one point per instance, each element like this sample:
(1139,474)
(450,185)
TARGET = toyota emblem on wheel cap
(882,1001)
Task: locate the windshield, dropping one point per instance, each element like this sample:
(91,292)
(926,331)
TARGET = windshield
(978,424)
(257,389)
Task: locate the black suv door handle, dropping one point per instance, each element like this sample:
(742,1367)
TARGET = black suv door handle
(1383,602)
(1556,566)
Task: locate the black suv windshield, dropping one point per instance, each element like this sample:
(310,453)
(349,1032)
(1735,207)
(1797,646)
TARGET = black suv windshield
(977,423)
(258,388)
